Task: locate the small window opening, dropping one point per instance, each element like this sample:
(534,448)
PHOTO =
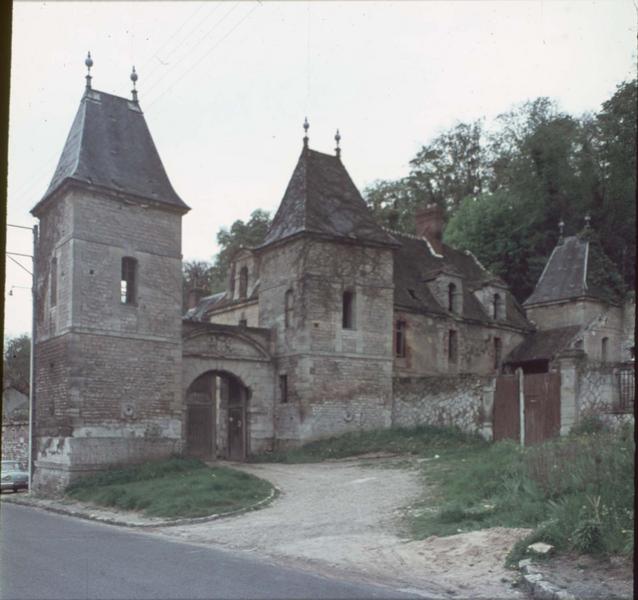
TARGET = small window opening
(54,281)
(399,339)
(283,389)
(128,281)
(498,351)
(452,347)
(604,349)
(243,322)
(413,294)
(288,309)
(497,307)
(243,282)
(451,297)
(348,310)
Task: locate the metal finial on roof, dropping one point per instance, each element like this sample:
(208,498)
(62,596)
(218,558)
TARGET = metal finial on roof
(89,63)
(338,139)
(306,126)
(134,80)
(561,230)
(587,221)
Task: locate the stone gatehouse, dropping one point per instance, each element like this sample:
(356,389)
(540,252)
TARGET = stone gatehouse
(332,324)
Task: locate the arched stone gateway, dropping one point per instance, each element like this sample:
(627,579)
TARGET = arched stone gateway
(228,391)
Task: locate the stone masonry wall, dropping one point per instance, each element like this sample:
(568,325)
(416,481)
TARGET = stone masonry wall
(463,401)
(15,441)
(339,379)
(427,339)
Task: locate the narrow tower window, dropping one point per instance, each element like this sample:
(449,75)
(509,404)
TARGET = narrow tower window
(604,349)
(288,309)
(128,282)
(54,281)
(283,389)
(348,310)
(399,339)
(243,282)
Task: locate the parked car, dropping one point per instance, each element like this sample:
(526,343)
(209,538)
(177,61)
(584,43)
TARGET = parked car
(13,476)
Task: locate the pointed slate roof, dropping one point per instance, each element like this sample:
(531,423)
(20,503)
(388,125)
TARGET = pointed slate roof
(569,274)
(321,199)
(110,146)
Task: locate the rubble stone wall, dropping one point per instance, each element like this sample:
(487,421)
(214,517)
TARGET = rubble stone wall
(15,441)
(463,401)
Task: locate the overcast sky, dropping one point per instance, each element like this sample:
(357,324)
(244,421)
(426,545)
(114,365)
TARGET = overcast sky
(225,87)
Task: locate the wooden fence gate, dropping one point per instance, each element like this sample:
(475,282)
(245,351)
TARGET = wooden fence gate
(541,392)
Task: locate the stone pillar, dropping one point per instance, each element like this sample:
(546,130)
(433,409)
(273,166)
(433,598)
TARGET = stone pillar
(568,362)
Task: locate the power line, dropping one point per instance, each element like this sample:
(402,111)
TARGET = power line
(19,264)
(155,69)
(204,56)
(154,85)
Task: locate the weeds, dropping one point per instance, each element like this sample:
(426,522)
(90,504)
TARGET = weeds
(172,488)
(416,440)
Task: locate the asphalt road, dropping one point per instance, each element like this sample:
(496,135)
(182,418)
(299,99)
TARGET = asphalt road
(45,555)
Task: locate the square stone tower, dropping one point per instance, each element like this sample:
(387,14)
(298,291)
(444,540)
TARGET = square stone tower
(326,290)
(108,310)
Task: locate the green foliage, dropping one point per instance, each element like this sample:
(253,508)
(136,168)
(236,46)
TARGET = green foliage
(505,192)
(246,235)
(212,278)
(172,488)
(15,364)
(399,440)
(576,492)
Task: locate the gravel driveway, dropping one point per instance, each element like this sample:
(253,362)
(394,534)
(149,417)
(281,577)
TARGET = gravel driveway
(345,516)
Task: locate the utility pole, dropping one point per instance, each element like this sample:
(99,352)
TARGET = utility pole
(34,231)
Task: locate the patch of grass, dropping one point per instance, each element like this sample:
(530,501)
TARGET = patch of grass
(417,440)
(576,492)
(172,488)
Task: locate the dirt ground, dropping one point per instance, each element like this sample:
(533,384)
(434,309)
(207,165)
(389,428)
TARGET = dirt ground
(344,516)
(588,577)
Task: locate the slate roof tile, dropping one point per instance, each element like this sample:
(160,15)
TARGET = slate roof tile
(322,199)
(110,146)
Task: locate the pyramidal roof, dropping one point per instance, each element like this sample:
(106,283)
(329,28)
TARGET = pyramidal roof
(321,199)
(110,147)
(570,273)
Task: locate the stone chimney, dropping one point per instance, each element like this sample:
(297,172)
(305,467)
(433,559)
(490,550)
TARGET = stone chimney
(194,296)
(429,224)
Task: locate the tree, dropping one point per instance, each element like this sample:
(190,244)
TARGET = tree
(212,278)
(16,362)
(614,211)
(450,168)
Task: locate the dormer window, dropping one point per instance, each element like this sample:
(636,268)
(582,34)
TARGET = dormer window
(452,298)
(243,282)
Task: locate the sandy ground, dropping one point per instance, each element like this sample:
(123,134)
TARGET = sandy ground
(345,517)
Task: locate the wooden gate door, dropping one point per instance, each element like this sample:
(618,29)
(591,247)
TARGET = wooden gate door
(542,407)
(506,408)
(199,430)
(236,437)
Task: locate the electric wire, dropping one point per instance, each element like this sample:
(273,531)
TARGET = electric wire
(148,89)
(203,56)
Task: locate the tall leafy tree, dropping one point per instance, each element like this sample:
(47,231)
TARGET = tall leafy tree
(16,362)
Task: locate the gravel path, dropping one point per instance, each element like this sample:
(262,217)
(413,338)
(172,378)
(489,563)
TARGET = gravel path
(345,516)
